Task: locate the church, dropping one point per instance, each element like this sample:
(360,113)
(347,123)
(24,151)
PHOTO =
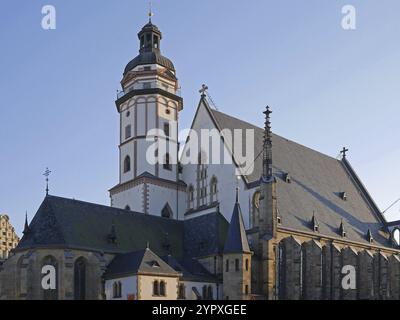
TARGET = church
(283,230)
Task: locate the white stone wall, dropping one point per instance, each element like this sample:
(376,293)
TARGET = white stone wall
(132,198)
(225,174)
(128,286)
(190,295)
(146,288)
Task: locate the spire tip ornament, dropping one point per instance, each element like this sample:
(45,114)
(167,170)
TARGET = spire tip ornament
(47,174)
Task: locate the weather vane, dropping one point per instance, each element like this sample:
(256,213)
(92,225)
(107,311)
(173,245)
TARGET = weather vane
(47,174)
(150,11)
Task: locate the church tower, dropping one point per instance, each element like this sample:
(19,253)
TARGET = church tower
(149,106)
(237,258)
(265,247)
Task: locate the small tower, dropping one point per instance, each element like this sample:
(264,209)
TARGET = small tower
(263,241)
(237,259)
(149,106)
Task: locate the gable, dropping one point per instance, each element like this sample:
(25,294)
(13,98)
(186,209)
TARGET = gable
(317,181)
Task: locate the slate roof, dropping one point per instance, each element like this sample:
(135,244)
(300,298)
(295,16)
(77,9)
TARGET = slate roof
(190,269)
(317,181)
(67,223)
(149,58)
(139,262)
(205,235)
(62,222)
(237,242)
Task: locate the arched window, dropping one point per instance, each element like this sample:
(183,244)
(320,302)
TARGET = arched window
(210,293)
(255,212)
(303,274)
(202,175)
(156,291)
(128,131)
(115,290)
(181,292)
(396,236)
(51,294)
(247,264)
(167,212)
(80,279)
(119,289)
(190,197)
(213,189)
(167,162)
(163,292)
(280,272)
(205,293)
(127,164)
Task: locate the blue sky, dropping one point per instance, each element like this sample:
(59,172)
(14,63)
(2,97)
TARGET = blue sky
(328,87)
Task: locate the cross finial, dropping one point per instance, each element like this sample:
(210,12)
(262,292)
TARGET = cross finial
(344,152)
(47,174)
(203,90)
(150,11)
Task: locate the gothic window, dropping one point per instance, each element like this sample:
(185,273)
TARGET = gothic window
(210,294)
(127,164)
(237,265)
(51,294)
(167,212)
(303,270)
(163,292)
(255,209)
(128,131)
(214,189)
(205,293)
(280,276)
(167,163)
(156,291)
(80,279)
(396,236)
(181,292)
(202,179)
(247,264)
(190,197)
(117,290)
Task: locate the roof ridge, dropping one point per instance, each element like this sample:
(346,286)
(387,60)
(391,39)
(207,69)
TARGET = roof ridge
(274,134)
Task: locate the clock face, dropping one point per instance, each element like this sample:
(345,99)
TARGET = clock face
(256,200)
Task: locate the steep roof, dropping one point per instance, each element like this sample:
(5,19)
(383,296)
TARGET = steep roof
(190,269)
(317,181)
(205,235)
(236,241)
(69,223)
(138,262)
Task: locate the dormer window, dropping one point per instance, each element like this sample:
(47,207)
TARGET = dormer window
(279,220)
(287,178)
(154,264)
(343,196)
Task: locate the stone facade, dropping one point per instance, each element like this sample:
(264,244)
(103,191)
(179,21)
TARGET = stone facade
(21,276)
(8,238)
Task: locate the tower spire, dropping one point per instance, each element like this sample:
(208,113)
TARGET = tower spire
(267,153)
(47,174)
(150,11)
(26,227)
